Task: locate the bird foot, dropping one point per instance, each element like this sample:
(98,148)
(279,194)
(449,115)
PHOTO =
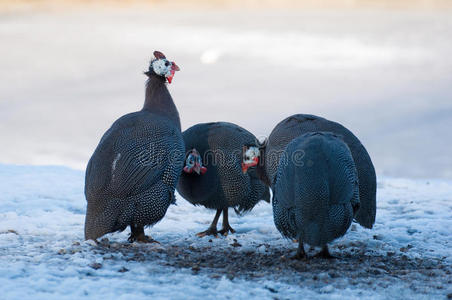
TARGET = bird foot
(142,238)
(210,231)
(325,254)
(300,256)
(226,229)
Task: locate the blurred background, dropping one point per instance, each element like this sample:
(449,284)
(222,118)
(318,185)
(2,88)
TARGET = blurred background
(68,69)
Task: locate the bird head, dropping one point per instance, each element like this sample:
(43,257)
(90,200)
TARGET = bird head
(162,67)
(193,163)
(250,157)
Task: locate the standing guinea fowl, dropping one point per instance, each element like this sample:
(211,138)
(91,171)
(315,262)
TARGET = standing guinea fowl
(320,206)
(213,177)
(299,124)
(131,177)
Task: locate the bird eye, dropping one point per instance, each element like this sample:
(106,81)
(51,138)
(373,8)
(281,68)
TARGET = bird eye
(167,63)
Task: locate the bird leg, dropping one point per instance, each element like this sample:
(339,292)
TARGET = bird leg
(226,227)
(212,230)
(325,253)
(137,234)
(301,254)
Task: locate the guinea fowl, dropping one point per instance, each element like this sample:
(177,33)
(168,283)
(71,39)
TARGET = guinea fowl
(213,176)
(299,124)
(131,177)
(320,206)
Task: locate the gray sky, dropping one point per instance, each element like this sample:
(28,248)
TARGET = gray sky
(386,75)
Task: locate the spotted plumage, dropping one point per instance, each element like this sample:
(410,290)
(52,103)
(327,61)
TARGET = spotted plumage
(224,184)
(131,177)
(299,124)
(316,190)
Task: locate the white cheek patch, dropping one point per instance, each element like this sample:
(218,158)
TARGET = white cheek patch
(187,161)
(159,67)
(251,154)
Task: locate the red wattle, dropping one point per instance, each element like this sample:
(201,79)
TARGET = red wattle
(203,170)
(170,78)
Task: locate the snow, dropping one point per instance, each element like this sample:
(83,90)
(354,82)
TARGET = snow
(43,254)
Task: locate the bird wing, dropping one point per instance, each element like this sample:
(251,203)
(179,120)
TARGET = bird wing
(130,159)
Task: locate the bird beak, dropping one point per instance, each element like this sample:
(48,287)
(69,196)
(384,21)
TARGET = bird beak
(174,66)
(197,168)
(245,166)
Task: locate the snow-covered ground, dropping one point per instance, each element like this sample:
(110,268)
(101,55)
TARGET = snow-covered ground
(67,75)
(43,255)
